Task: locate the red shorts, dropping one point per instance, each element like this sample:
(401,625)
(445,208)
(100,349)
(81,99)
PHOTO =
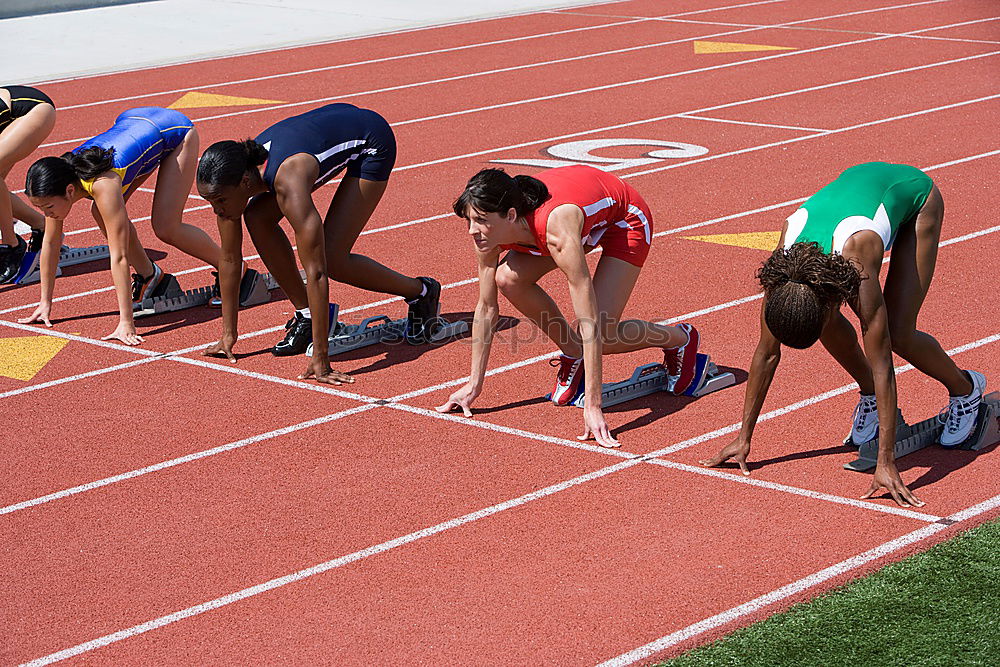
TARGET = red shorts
(629,239)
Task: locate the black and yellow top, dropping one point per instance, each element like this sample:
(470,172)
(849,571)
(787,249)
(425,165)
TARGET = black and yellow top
(22,100)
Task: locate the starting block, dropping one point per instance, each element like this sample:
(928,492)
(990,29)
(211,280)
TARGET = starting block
(29,271)
(380,329)
(651,378)
(174,298)
(912,437)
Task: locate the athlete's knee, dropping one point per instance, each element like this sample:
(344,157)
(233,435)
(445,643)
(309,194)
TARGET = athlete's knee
(902,339)
(508,281)
(338,267)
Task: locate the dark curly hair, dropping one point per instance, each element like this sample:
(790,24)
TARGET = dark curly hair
(801,284)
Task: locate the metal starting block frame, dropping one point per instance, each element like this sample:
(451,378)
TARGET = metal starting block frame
(651,378)
(67,257)
(177,299)
(913,437)
(381,329)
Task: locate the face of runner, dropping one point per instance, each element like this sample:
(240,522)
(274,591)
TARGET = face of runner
(489,230)
(227,202)
(56,208)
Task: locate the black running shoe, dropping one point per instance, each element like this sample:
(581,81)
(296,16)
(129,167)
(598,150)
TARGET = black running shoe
(300,334)
(215,298)
(35,242)
(10,259)
(144,288)
(422,317)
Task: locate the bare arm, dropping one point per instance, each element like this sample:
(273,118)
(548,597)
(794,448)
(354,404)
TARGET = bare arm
(230,269)
(48,264)
(866,250)
(563,241)
(483,325)
(111,205)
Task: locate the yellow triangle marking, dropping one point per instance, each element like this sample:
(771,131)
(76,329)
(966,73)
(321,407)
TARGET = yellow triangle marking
(195,100)
(755,240)
(21,358)
(735,47)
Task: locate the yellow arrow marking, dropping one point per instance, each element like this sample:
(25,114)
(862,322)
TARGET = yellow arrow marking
(21,358)
(755,240)
(194,100)
(735,47)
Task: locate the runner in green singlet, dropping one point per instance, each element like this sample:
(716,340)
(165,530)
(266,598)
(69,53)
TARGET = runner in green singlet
(831,252)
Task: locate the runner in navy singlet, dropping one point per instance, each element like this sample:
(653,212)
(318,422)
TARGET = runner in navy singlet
(272,177)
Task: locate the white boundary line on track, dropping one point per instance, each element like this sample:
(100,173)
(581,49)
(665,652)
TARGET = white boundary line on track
(185,459)
(430,531)
(399,56)
(532,100)
(649,650)
(747,122)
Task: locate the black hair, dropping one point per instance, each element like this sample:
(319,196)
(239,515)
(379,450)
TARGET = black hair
(49,176)
(224,162)
(495,191)
(801,284)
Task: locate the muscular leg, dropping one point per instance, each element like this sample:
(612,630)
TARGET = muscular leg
(173,185)
(262,217)
(841,341)
(614,280)
(351,208)
(17,142)
(517,277)
(911,268)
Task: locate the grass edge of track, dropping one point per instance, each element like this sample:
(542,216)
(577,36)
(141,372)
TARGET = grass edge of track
(937,607)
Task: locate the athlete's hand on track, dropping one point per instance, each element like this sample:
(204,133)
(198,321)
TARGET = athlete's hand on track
(224,346)
(886,476)
(126,334)
(322,373)
(737,450)
(462,398)
(41,314)
(595,427)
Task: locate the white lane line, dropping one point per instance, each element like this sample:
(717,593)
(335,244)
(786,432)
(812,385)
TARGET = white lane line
(90,486)
(79,376)
(325,566)
(453,523)
(41,329)
(705,472)
(574,58)
(663,643)
(747,122)
(794,490)
(767,416)
(824,133)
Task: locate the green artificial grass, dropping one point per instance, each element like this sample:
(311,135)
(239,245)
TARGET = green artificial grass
(939,607)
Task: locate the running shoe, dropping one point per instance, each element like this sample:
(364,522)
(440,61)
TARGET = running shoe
(960,416)
(422,316)
(300,329)
(10,259)
(145,288)
(865,422)
(246,285)
(683,361)
(569,379)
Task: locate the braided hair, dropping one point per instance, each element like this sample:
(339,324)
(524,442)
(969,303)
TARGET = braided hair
(801,285)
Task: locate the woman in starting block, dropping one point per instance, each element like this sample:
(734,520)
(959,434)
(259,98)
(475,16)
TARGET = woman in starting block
(831,252)
(27,116)
(550,221)
(272,177)
(107,170)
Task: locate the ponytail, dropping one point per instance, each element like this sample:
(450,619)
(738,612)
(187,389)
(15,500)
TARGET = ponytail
(224,163)
(50,176)
(494,191)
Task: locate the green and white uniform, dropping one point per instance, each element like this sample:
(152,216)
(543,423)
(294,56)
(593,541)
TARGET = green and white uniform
(878,196)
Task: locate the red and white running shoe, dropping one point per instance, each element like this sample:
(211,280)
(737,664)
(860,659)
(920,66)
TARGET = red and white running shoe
(682,361)
(569,379)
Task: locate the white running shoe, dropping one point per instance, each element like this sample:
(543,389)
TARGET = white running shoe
(865,426)
(960,416)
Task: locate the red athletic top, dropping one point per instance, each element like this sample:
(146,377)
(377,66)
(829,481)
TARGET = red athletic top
(611,208)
